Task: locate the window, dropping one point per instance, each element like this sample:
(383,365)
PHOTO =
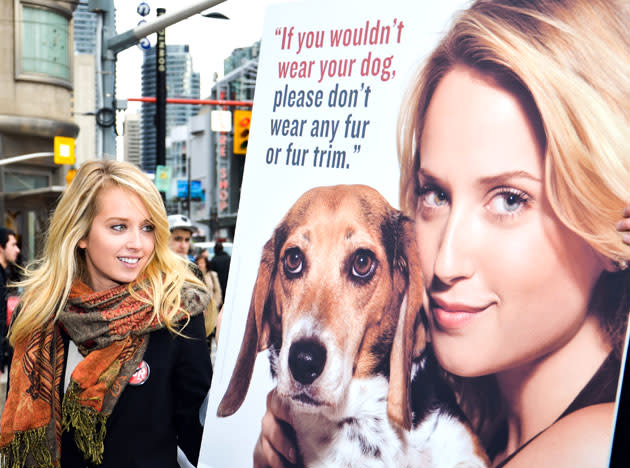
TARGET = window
(42,44)
(22,181)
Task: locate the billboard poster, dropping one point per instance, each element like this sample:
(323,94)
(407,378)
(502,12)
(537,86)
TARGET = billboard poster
(319,204)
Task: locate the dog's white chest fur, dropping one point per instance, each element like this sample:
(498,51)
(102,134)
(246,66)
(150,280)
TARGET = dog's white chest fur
(360,435)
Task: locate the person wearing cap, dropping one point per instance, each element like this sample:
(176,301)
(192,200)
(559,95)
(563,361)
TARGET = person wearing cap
(181,231)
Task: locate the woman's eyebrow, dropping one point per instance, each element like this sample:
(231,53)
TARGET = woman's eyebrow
(125,220)
(504,177)
(426,176)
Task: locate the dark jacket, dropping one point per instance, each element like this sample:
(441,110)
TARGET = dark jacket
(4,352)
(221,264)
(151,420)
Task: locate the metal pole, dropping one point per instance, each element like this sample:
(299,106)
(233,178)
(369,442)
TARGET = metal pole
(188,175)
(160,95)
(203,102)
(108,71)
(25,157)
(112,44)
(130,37)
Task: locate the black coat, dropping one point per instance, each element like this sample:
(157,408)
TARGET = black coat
(4,351)
(221,264)
(151,420)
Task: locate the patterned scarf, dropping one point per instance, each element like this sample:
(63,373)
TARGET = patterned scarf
(111,329)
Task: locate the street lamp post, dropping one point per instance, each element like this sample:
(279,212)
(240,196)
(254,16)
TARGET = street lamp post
(160,96)
(113,43)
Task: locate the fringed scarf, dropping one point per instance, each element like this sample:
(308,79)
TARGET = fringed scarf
(111,329)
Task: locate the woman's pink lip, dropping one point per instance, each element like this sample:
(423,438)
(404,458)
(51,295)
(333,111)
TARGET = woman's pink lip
(452,315)
(454,307)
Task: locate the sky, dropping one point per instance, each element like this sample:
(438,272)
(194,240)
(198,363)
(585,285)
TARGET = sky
(210,40)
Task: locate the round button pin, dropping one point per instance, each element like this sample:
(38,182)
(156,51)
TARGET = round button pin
(141,374)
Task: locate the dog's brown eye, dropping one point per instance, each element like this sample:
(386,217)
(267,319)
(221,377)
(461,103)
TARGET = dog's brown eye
(293,262)
(363,265)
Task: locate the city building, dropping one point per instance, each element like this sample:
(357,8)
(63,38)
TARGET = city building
(132,139)
(181,82)
(206,174)
(36,72)
(84,106)
(188,155)
(84,29)
(238,83)
(84,94)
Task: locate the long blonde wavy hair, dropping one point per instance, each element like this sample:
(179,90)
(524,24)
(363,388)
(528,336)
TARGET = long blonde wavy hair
(569,61)
(48,281)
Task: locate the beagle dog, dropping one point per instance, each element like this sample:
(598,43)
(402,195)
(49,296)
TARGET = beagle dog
(337,301)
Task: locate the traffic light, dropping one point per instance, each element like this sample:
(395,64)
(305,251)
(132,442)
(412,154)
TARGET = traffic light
(242,119)
(70,176)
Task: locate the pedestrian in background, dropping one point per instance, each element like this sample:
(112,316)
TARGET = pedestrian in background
(221,264)
(9,252)
(211,278)
(179,242)
(111,364)
(181,233)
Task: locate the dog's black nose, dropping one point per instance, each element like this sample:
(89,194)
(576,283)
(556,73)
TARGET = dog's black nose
(306,360)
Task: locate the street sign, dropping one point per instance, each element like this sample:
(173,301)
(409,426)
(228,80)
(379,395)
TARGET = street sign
(163,178)
(63,150)
(221,121)
(196,192)
(144,43)
(143,9)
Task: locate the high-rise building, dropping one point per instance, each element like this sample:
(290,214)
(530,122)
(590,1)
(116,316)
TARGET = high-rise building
(85,93)
(132,139)
(181,82)
(84,29)
(224,187)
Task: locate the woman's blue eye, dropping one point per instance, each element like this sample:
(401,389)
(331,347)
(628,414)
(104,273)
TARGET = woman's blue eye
(508,202)
(148,228)
(118,227)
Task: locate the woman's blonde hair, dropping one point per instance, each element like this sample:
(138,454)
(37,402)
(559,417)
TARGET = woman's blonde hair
(568,61)
(572,59)
(48,281)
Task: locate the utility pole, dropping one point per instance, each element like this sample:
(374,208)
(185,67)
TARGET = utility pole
(160,96)
(112,43)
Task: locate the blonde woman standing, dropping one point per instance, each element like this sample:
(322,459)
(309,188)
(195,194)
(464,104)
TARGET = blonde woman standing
(515,165)
(110,364)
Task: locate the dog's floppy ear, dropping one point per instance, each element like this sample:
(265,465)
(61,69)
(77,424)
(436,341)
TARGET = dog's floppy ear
(256,336)
(410,336)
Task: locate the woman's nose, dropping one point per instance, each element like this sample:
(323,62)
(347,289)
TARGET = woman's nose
(134,238)
(454,259)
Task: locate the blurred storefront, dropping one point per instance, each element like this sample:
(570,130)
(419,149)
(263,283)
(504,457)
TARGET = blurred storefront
(239,83)
(36,63)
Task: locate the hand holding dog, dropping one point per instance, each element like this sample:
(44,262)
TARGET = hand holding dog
(623,226)
(276,446)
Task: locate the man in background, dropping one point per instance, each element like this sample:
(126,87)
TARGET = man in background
(181,231)
(9,251)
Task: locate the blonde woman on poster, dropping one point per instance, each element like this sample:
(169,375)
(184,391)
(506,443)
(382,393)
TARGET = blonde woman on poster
(515,165)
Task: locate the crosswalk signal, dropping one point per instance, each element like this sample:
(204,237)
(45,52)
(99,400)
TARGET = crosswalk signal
(242,120)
